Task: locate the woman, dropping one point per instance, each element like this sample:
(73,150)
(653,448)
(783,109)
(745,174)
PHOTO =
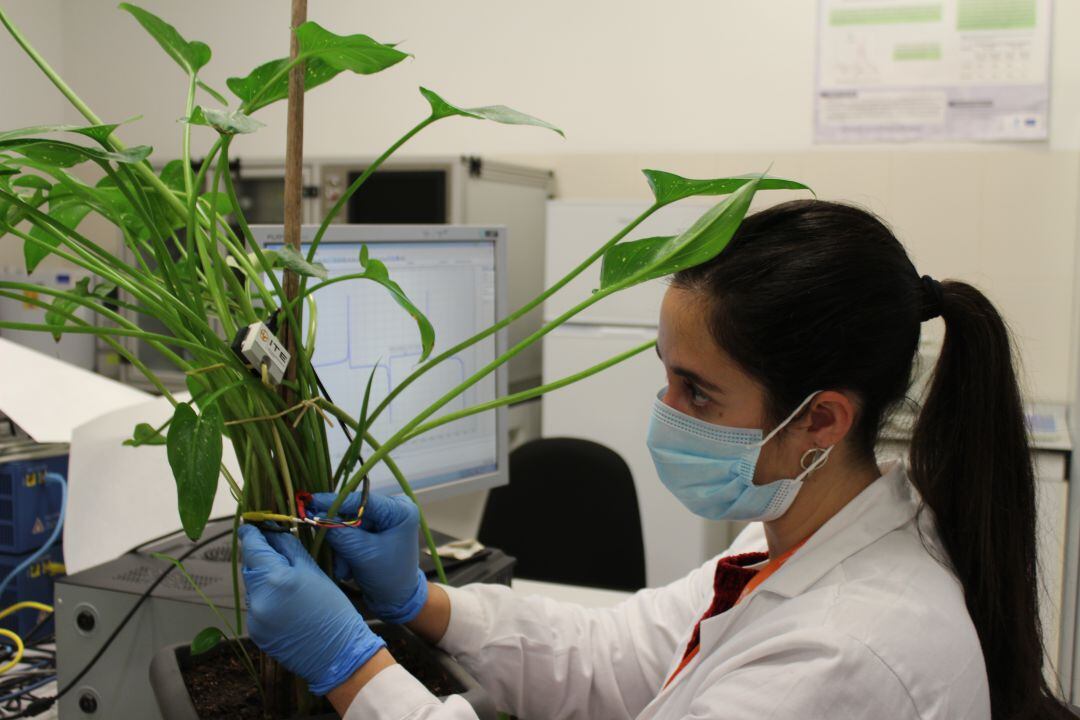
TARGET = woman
(864,592)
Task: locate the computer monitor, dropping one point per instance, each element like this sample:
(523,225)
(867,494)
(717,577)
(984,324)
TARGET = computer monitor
(456,276)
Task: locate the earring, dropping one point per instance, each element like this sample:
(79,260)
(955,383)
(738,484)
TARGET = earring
(817,455)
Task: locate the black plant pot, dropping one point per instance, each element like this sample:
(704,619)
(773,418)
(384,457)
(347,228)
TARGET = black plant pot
(174,701)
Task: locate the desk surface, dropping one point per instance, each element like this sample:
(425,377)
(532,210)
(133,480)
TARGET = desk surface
(587,596)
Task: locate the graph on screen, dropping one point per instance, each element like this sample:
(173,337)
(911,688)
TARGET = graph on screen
(362,332)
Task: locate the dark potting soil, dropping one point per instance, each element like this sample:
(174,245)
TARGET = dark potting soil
(221,688)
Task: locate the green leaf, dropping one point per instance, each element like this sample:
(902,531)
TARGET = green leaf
(627,257)
(376,271)
(357,53)
(68,213)
(270,256)
(497,113)
(173,175)
(224,121)
(212,92)
(362,425)
(145,434)
(65,154)
(635,262)
(207,639)
(32,181)
(57,315)
(260,88)
(217,200)
(290,259)
(194,448)
(191,56)
(669,187)
(325,54)
(95,132)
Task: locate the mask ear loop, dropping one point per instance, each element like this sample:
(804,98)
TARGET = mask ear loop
(788,419)
(821,456)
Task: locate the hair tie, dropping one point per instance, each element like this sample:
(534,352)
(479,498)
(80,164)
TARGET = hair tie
(933,297)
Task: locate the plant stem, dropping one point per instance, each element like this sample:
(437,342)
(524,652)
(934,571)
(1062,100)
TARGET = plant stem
(246,659)
(397,390)
(234,560)
(529,394)
(290,494)
(355,185)
(407,489)
(397,438)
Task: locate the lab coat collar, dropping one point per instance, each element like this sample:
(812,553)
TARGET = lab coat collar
(885,505)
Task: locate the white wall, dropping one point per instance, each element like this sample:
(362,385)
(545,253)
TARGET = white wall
(26,98)
(619,76)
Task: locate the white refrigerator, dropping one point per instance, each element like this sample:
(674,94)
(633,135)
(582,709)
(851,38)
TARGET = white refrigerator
(613,407)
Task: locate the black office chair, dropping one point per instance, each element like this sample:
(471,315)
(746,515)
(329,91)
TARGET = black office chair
(569,515)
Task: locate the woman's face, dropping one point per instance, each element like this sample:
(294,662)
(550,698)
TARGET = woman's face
(705,383)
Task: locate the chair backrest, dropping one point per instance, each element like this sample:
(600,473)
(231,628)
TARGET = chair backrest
(569,515)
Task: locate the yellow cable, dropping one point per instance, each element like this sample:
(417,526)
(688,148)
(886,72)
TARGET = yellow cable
(18,650)
(25,605)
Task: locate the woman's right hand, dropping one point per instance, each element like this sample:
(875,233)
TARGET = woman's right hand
(381,555)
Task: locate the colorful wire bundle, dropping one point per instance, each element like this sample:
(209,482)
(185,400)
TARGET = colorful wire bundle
(303,500)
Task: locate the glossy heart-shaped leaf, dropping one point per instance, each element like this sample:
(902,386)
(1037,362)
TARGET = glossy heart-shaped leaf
(191,56)
(289,258)
(206,640)
(376,271)
(267,84)
(194,448)
(225,122)
(440,108)
(357,53)
(69,213)
(634,262)
(669,187)
(325,54)
(145,434)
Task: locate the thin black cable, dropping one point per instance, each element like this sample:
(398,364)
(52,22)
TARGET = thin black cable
(366,489)
(42,704)
(272,324)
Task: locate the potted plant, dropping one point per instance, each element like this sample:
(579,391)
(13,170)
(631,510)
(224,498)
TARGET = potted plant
(209,283)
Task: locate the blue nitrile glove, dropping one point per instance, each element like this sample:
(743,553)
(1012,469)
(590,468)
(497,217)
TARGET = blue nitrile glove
(298,616)
(381,554)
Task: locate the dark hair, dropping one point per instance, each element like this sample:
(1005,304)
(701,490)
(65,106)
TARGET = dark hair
(811,295)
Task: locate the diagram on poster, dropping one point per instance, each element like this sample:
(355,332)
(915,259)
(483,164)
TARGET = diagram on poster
(900,70)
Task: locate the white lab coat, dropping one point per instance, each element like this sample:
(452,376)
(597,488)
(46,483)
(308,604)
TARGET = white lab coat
(861,622)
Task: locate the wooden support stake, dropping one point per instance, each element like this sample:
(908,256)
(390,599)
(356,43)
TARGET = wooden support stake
(294,182)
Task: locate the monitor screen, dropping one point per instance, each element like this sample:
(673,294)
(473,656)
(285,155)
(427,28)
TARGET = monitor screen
(450,275)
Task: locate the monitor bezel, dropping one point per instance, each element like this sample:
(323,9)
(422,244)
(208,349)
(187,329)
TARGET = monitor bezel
(494,234)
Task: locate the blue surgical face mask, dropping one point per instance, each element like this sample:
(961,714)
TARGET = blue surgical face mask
(710,468)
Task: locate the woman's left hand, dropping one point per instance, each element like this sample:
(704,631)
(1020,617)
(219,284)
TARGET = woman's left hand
(298,616)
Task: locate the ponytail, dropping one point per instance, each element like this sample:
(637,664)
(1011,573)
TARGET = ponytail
(971,462)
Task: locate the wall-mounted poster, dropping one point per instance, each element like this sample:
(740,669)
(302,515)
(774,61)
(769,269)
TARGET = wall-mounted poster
(899,70)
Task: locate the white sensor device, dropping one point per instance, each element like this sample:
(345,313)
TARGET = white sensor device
(260,347)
